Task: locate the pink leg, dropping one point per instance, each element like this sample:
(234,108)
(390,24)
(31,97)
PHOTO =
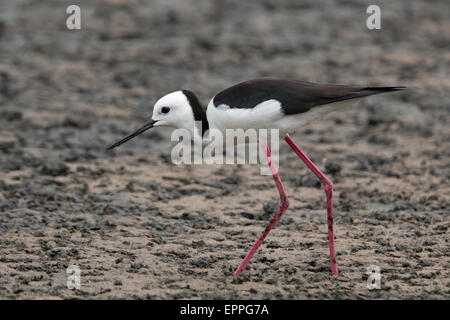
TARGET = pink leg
(284,204)
(328,186)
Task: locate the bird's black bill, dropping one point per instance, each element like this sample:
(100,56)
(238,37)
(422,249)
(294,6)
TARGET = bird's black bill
(145,127)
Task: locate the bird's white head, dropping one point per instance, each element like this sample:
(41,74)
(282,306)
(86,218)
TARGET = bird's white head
(179,109)
(173,110)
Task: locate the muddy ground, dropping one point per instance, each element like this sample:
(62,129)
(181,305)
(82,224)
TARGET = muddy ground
(140,227)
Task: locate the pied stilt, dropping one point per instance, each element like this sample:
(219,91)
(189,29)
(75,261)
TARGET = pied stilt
(268,103)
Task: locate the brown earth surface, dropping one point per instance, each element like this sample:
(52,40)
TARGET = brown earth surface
(139,226)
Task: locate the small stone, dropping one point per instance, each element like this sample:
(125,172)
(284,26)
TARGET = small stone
(53,167)
(17,289)
(198,244)
(333,167)
(7,140)
(202,262)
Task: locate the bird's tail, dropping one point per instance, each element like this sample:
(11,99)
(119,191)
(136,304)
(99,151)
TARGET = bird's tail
(362,92)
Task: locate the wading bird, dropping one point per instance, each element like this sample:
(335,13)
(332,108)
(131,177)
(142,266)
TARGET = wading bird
(266,103)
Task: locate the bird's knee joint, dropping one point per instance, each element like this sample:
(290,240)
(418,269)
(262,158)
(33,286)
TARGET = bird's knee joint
(328,186)
(285,203)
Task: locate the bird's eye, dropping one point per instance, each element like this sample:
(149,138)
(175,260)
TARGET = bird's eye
(165,110)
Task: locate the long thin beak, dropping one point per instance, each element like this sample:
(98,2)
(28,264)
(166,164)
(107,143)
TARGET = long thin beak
(145,127)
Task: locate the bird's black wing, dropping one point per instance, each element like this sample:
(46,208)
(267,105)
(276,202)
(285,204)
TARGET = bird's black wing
(295,96)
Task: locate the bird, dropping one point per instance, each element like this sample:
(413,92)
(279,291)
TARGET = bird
(270,103)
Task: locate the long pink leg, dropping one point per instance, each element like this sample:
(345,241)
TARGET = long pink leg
(328,186)
(284,204)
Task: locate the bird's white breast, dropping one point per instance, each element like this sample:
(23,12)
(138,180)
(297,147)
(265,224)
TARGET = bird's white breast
(261,116)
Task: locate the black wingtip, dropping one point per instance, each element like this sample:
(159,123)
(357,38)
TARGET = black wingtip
(386,89)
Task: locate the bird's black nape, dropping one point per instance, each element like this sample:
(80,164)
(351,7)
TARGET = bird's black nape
(197,110)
